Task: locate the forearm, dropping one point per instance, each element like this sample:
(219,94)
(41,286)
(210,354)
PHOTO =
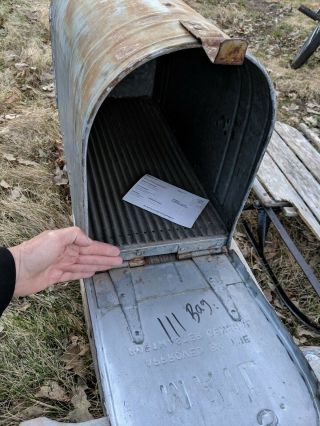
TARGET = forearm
(7,278)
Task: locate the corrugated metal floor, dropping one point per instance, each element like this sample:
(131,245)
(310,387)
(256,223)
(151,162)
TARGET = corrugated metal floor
(128,140)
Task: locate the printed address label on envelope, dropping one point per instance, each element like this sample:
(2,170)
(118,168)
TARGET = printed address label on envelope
(166,200)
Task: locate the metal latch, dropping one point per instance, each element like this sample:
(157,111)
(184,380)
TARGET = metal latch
(220,50)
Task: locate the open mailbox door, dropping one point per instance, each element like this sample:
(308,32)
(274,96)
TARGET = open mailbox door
(195,342)
(181,334)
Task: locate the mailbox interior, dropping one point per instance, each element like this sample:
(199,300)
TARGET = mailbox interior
(199,126)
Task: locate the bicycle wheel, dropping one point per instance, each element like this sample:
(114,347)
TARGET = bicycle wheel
(309,46)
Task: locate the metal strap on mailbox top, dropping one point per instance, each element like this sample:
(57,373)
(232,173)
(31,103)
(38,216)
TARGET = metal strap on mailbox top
(220,50)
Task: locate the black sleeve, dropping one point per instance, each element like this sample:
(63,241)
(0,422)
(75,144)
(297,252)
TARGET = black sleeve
(7,278)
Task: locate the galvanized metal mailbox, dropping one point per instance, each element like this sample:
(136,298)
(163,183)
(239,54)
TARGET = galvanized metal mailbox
(181,333)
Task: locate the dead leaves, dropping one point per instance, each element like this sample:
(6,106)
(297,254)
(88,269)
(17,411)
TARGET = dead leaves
(28,77)
(27,162)
(3,29)
(32,412)
(48,88)
(17,195)
(22,306)
(5,184)
(81,406)
(313,108)
(60,162)
(268,294)
(311,120)
(9,103)
(2,22)
(52,390)
(304,335)
(8,117)
(61,176)
(47,84)
(21,66)
(32,16)
(74,358)
(301,331)
(11,158)
(300,341)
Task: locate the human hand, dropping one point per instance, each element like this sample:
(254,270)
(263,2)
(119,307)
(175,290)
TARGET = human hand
(57,256)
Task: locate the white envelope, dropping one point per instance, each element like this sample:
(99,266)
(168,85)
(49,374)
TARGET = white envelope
(166,200)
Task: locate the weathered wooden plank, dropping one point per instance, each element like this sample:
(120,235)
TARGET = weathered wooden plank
(309,156)
(290,211)
(300,178)
(261,193)
(312,136)
(267,201)
(280,188)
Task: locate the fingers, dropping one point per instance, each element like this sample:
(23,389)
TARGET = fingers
(80,238)
(104,266)
(99,249)
(72,276)
(99,260)
(78,272)
(72,235)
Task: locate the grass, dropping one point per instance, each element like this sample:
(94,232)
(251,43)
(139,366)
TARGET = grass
(38,334)
(35,333)
(34,342)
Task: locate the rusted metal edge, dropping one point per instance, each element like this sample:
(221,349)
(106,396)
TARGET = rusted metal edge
(220,50)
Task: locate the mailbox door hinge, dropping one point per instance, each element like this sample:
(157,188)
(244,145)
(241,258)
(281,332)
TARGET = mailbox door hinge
(165,258)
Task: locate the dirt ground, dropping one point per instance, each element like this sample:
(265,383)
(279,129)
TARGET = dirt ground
(45,362)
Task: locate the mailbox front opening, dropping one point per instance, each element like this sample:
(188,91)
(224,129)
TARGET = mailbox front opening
(193,124)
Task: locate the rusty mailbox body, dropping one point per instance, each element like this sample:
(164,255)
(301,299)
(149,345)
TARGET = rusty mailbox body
(181,333)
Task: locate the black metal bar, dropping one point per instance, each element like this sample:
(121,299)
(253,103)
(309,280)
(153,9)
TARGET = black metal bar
(277,286)
(294,250)
(309,12)
(263,227)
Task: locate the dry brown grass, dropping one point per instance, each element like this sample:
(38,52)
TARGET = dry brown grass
(38,334)
(30,137)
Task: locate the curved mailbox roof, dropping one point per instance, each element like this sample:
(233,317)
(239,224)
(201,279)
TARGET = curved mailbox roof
(97,43)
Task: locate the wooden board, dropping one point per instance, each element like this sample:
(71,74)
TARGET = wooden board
(295,140)
(280,188)
(268,201)
(290,211)
(262,194)
(290,171)
(296,173)
(310,134)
